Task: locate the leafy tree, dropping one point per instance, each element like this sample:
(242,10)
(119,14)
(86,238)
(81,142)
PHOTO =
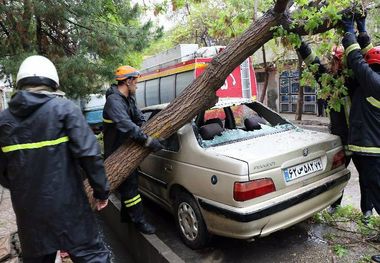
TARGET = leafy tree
(207,22)
(218,22)
(85,39)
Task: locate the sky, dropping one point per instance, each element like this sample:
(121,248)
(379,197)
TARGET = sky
(162,20)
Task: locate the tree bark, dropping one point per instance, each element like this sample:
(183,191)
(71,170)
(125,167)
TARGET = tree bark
(266,80)
(2,107)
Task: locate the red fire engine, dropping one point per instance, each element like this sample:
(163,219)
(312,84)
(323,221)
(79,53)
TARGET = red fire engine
(167,74)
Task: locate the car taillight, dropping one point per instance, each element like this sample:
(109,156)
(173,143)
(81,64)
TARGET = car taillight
(338,160)
(248,190)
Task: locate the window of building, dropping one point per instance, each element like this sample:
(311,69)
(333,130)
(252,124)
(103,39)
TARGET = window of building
(260,77)
(289,88)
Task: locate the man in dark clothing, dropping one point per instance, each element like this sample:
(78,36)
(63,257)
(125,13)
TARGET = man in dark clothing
(339,124)
(46,147)
(321,107)
(122,120)
(364,133)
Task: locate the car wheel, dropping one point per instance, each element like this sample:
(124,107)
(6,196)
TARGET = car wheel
(190,223)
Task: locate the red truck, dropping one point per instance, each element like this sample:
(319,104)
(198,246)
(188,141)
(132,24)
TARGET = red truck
(167,74)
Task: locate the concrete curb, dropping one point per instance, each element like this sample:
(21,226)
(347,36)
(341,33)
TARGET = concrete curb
(143,248)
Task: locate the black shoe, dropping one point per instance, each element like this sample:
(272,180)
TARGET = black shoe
(145,227)
(375,258)
(332,209)
(366,216)
(368,213)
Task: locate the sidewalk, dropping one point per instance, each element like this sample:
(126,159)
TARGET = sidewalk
(9,246)
(307,119)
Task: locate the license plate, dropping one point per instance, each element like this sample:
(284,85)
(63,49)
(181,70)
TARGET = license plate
(302,169)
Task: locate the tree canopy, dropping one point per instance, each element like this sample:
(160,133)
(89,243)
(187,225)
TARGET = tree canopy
(204,22)
(219,22)
(86,40)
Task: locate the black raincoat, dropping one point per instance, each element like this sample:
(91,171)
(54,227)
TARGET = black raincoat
(364,136)
(45,142)
(122,120)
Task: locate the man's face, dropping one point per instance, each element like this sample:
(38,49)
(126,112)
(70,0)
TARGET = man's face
(132,85)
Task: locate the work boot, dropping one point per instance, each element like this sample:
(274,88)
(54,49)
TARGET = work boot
(332,209)
(366,216)
(375,258)
(144,227)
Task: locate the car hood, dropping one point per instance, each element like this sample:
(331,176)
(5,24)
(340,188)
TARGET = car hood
(271,151)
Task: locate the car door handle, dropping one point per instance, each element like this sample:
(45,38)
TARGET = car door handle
(168,168)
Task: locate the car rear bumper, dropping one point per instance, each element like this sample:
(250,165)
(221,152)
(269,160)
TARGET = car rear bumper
(278,214)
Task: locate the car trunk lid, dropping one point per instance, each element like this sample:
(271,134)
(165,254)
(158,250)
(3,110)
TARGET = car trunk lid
(288,149)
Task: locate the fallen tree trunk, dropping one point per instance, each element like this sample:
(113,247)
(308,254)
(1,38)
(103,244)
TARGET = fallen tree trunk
(198,96)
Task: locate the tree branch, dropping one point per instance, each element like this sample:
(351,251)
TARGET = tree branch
(280,6)
(67,49)
(78,25)
(324,27)
(40,48)
(64,41)
(4,28)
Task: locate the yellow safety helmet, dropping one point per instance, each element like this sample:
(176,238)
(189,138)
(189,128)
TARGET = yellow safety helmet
(125,72)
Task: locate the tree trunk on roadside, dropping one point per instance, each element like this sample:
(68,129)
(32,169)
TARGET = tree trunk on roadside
(2,107)
(199,95)
(300,101)
(266,80)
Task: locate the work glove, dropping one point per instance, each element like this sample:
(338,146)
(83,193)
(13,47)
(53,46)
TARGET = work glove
(304,50)
(153,144)
(348,23)
(360,21)
(364,39)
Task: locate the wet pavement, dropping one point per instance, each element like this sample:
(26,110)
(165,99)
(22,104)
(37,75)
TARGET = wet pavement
(118,251)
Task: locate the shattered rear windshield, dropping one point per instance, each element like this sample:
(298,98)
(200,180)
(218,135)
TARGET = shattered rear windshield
(235,135)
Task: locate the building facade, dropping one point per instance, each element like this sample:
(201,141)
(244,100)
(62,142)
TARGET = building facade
(283,83)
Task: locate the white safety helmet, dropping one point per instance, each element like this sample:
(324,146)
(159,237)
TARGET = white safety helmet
(37,70)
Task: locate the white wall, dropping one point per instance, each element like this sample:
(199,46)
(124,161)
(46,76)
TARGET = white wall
(5,91)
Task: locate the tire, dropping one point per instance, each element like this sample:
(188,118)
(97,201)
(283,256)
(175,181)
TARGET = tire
(190,224)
